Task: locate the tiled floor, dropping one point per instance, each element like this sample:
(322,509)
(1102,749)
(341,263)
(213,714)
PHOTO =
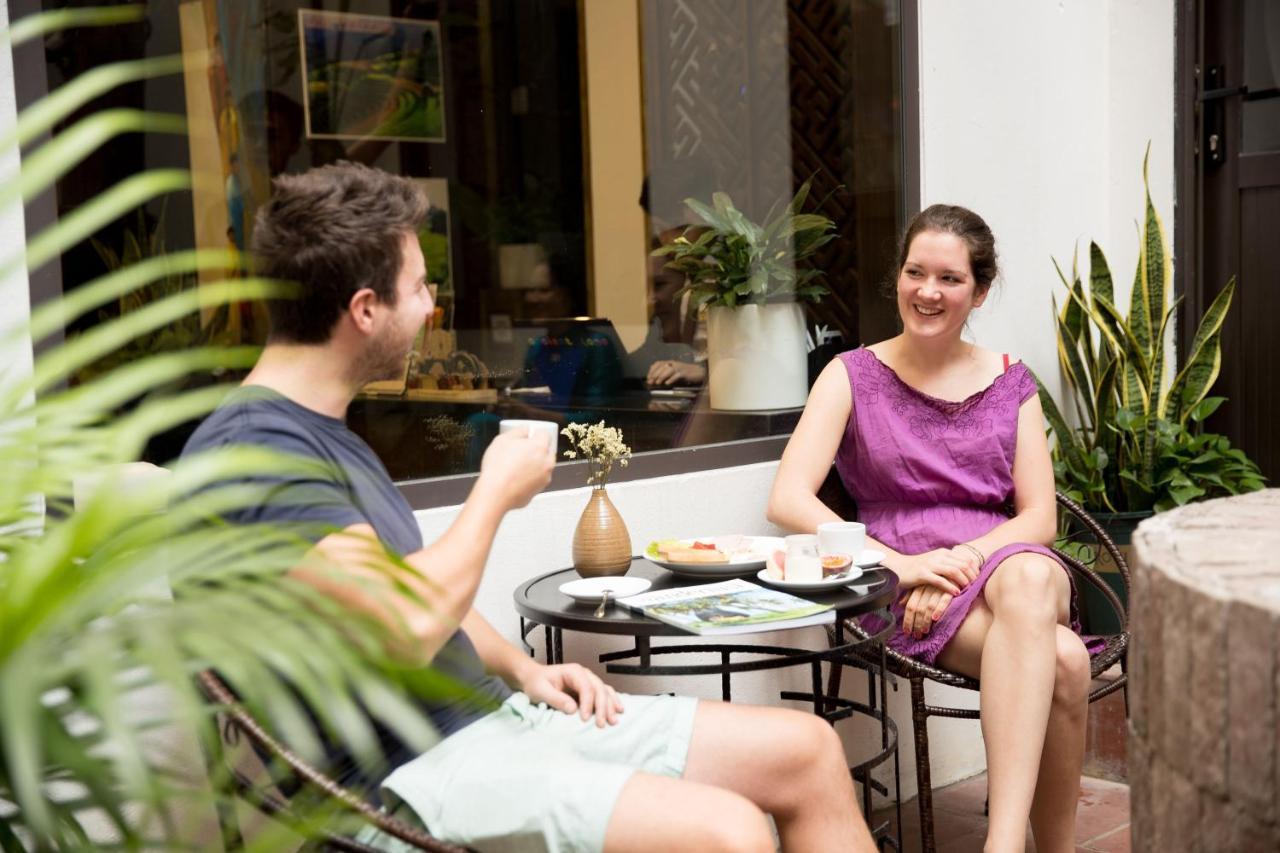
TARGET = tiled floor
(1102,819)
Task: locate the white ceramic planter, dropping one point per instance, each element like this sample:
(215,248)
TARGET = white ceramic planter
(757,357)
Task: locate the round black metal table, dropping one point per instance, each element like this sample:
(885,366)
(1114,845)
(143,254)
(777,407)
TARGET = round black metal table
(539,602)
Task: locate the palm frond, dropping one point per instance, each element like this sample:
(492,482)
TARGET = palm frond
(106,600)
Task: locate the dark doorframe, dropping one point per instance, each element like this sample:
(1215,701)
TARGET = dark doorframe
(1228,192)
(1186,189)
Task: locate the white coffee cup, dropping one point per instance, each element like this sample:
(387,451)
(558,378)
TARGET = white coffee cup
(550,429)
(842,537)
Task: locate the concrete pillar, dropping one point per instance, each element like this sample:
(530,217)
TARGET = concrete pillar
(1206,635)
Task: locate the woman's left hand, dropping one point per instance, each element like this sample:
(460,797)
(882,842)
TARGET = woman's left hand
(925,605)
(972,565)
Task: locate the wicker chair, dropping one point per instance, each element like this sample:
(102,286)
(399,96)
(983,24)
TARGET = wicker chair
(238,723)
(1082,528)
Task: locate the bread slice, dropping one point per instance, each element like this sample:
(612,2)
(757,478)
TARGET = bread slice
(695,555)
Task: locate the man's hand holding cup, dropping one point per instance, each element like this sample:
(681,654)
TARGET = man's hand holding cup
(520,460)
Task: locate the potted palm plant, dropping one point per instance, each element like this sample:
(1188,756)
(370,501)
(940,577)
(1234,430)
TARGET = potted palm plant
(108,608)
(1136,443)
(751,279)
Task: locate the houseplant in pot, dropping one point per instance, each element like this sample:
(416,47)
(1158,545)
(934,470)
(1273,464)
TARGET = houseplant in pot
(1136,445)
(751,278)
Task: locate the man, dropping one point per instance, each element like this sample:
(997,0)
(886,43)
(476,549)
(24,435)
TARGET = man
(565,762)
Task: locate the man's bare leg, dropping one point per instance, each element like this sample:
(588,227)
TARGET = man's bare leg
(659,813)
(789,764)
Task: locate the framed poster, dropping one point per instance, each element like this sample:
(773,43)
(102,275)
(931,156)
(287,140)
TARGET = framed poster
(371,77)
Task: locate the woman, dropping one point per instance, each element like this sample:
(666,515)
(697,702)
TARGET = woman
(934,437)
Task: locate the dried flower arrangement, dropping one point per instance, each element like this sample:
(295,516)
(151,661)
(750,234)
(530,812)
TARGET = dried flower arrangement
(600,445)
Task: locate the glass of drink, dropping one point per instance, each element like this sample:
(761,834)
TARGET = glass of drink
(803,562)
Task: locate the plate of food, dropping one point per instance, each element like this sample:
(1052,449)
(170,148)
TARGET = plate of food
(713,556)
(826,572)
(826,582)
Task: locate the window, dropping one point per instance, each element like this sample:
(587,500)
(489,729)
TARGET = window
(557,141)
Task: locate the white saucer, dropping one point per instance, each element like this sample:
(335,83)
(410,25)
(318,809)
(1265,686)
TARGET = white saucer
(850,576)
(589,590)
(869,557)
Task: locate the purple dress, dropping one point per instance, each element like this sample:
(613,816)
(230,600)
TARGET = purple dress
(930,473)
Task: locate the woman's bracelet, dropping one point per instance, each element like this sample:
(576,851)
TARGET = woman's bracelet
(974,548)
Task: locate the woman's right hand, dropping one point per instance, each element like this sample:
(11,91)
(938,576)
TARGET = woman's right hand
(943,568)
(923,606)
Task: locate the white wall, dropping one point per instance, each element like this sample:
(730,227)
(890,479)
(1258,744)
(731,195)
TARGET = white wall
(1036,115)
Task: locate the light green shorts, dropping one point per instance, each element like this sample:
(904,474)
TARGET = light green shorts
(529,778)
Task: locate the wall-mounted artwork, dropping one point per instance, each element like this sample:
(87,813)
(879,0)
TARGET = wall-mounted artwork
(368,76)
(434,235)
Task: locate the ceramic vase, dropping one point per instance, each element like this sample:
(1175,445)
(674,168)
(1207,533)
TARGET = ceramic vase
(601,543)
(757,357)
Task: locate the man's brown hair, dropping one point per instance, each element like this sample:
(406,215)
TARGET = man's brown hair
(333,230)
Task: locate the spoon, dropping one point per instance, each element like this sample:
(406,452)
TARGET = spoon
(604,603)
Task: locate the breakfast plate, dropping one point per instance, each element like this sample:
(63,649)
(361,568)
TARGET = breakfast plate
(589,590)
(862,584)
(850,570)
(845,578)
(735,555)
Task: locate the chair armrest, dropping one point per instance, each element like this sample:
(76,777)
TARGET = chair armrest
(1083,519)
(220,694)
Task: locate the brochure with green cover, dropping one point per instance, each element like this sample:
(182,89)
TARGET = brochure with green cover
(729,607)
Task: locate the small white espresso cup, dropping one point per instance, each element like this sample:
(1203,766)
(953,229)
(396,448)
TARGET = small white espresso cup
(842,537)
(550,429)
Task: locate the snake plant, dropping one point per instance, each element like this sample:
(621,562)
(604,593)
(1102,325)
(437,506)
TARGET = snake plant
(1134,415)
(108,602)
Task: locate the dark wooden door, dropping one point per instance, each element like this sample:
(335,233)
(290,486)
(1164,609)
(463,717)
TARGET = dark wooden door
(1236,209)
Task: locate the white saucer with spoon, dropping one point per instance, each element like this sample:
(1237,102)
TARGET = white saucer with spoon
(592,590)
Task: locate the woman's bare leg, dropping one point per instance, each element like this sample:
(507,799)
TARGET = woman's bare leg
(1010,643)
(1053,811)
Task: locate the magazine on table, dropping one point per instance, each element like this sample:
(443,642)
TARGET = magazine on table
(729,607)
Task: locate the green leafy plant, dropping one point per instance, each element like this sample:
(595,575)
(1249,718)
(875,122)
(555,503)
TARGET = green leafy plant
(1136,423)
(1195,465)
(106,601)
(731,261)
(141,242)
